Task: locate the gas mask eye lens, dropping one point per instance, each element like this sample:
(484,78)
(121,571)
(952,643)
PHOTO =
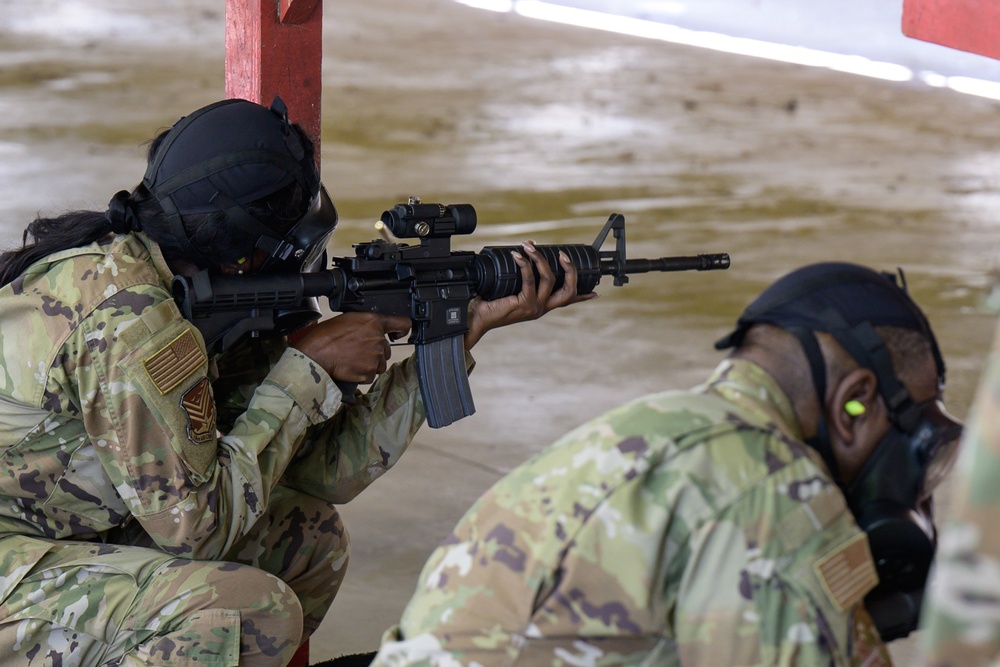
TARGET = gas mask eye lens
(303,247)
(937,442)
(943,451)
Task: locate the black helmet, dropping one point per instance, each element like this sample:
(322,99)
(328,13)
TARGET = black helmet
(229,154)
(847,301)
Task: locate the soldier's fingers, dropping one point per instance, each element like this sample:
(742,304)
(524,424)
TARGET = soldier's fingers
(562,296)
(527,272)
(570,275)
(546,277)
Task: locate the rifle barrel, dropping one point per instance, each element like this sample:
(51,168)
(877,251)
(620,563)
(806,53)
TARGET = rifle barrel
(707,262)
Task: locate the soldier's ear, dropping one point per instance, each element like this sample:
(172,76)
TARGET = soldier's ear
(857,420)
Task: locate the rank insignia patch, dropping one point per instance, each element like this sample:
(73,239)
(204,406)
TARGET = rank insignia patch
(200,408)
(847,573)
(175,362)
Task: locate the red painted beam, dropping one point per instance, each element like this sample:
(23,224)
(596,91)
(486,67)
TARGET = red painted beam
(268,56)
(966,25)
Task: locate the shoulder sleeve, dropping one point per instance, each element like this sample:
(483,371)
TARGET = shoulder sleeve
(149,408)
(778,575)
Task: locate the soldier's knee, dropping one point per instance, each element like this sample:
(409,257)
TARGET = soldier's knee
(270,612)
(317,567)
(314,540)
(331,534)
(225,610)
(269,616)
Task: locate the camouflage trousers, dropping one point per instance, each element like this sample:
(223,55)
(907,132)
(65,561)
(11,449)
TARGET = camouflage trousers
(123,605)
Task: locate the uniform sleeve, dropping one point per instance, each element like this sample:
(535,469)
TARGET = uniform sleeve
(341,457)
(370,437)
(149,409)
(776,579)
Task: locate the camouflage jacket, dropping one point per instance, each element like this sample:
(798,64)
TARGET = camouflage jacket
(685,528)
(961,612)
(108,417)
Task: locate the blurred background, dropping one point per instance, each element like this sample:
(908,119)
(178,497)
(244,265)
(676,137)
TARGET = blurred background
(547,127)
(851,35)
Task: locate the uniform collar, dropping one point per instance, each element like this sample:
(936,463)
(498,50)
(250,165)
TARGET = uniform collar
(156,256)
(750,388)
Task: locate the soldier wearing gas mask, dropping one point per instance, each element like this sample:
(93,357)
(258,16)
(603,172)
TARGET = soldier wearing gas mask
(753,520)
(162,504)
(883,431)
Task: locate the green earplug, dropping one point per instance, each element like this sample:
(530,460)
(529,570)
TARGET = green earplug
(854,408)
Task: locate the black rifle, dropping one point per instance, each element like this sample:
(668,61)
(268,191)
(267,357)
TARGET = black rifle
(429,283)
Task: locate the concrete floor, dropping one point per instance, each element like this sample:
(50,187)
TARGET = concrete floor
(546,129)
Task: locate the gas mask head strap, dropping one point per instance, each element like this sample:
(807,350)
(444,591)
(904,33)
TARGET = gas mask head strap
(817,367)
(873,354)
(867,348)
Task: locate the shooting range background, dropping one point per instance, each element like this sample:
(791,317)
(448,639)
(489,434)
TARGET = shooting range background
(546,129)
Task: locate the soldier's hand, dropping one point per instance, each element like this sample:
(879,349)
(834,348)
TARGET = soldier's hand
(352,347)
(533,301)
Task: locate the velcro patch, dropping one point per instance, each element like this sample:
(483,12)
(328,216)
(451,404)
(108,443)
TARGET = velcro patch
(200,408)
(174,363)
(847,573)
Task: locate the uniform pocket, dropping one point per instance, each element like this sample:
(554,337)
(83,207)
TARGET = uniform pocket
(209,637)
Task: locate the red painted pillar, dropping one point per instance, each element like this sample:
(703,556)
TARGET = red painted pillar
(967,25)
(275,47)
(301,657)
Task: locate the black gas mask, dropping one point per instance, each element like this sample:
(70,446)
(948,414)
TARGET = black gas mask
(302,249)
(229,155)
(890,496)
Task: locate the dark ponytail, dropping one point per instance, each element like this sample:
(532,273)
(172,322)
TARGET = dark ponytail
(76,229)
(50,235)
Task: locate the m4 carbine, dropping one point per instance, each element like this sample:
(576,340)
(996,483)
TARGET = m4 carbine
(428,282)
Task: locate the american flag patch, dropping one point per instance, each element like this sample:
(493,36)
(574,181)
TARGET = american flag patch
(847,573)
(175,362)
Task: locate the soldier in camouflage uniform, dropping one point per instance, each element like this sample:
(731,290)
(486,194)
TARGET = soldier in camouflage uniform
(688,528)
(961,618)
(161,505)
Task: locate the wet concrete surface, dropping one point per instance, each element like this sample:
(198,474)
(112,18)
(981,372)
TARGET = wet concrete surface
(546,129)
